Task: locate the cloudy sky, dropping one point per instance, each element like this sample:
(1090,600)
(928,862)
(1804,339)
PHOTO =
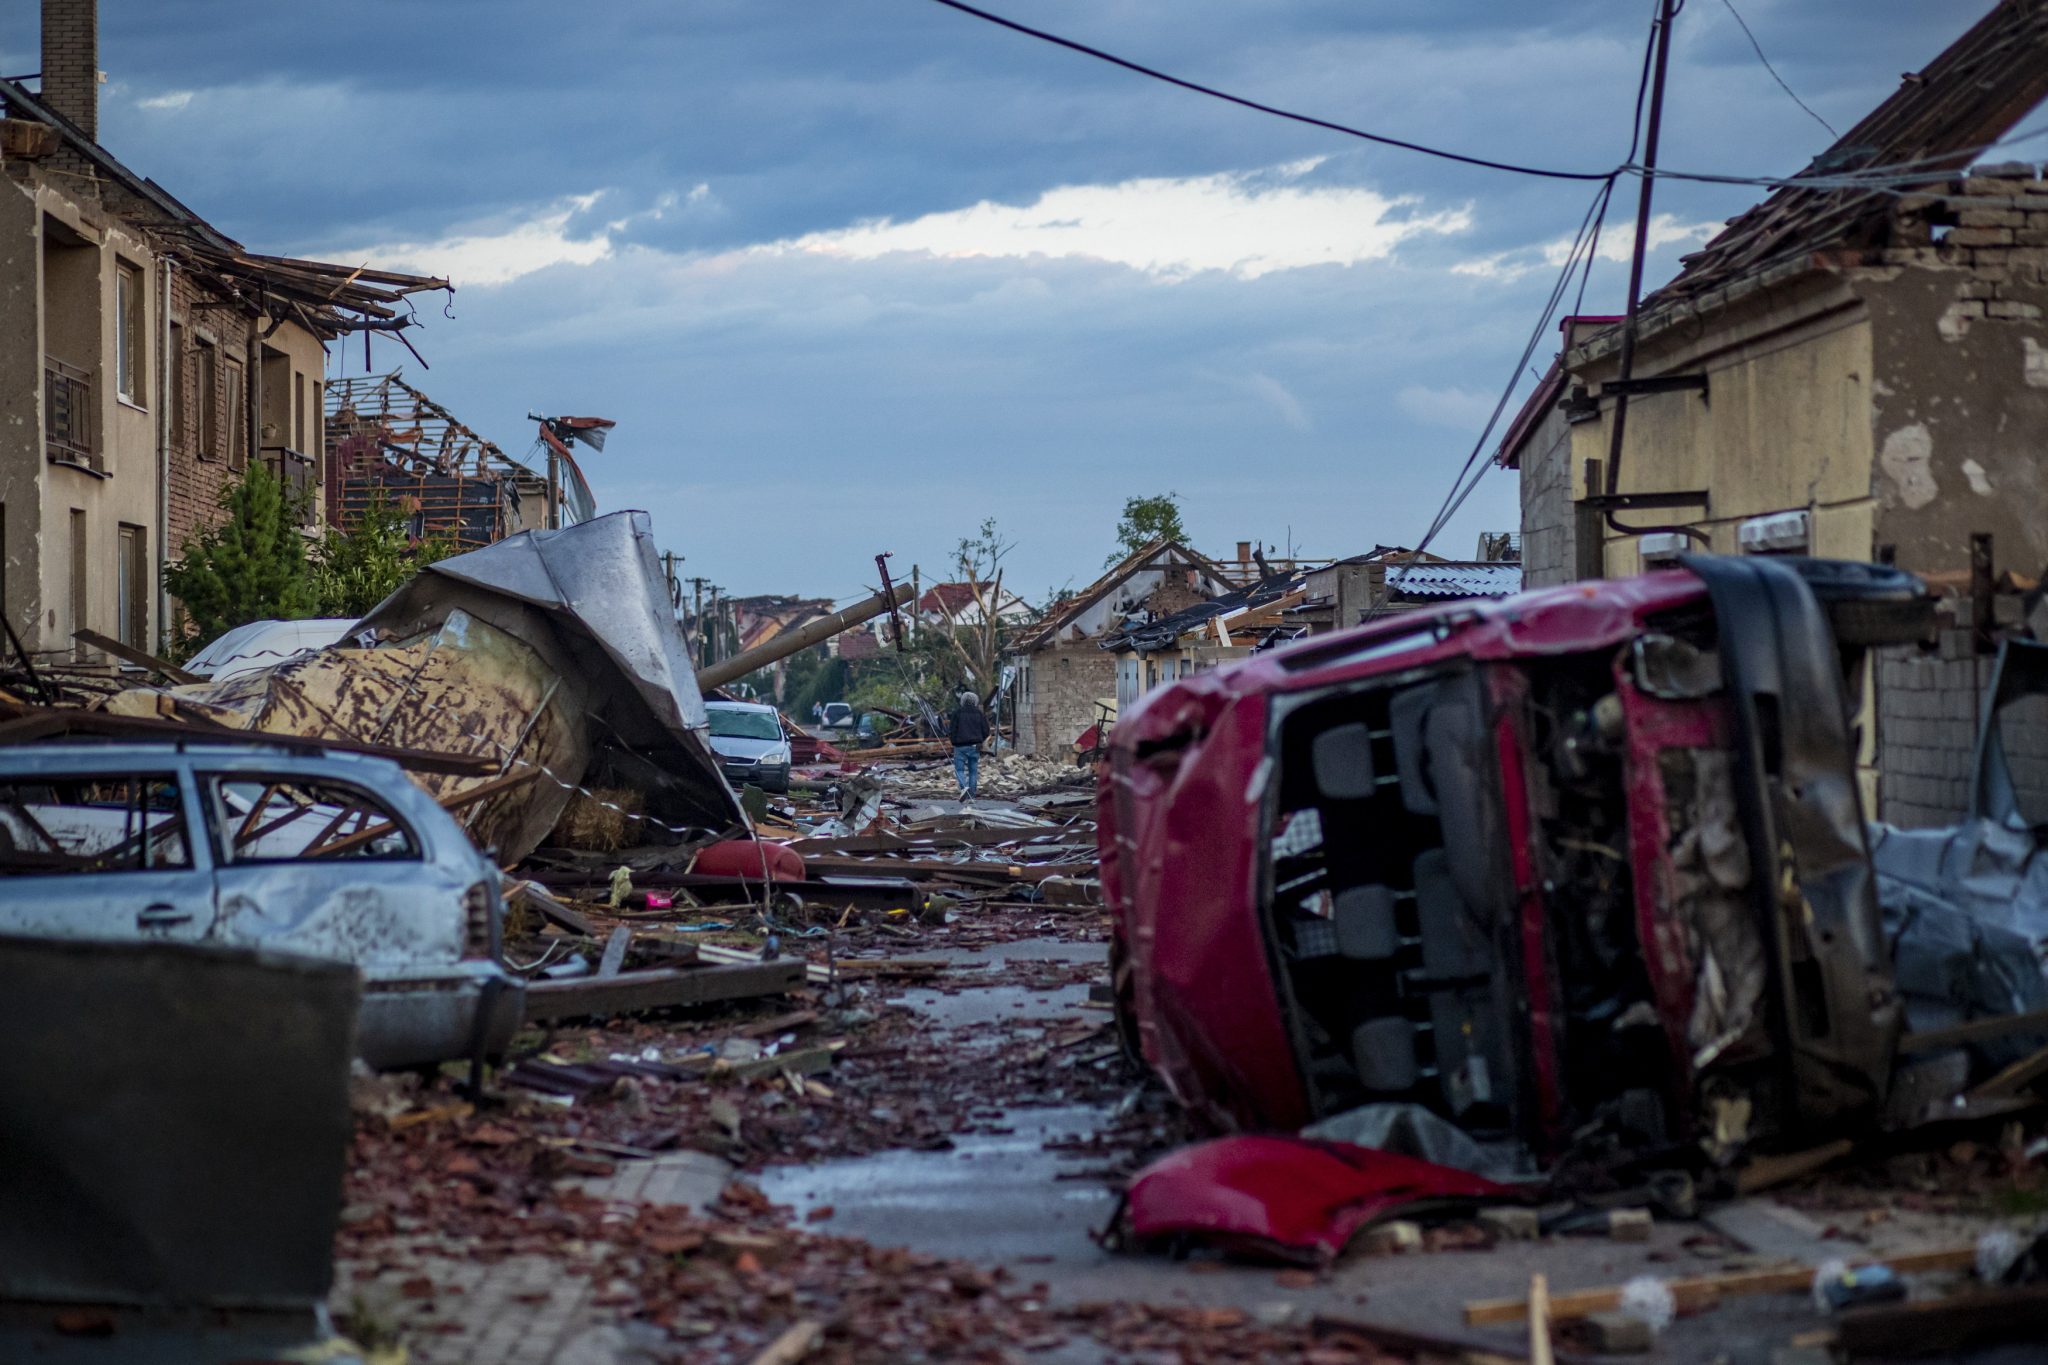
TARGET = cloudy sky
(853,275)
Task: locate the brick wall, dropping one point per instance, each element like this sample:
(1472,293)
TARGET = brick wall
(71,61)
(198,478)
(1927,730)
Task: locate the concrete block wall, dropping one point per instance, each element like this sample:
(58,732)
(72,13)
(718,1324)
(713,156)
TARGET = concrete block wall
(1927,705)
(1065,682)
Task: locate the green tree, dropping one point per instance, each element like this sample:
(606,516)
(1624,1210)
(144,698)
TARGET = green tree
(354,571)
(1144,521)
(251,567)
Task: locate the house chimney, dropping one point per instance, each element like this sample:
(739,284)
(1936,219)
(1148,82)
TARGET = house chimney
(1244,552)
(71,62)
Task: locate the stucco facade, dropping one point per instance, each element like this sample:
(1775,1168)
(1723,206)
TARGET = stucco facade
(1894,397)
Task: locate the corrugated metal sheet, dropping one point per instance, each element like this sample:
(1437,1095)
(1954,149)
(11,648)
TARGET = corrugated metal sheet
(1456,580)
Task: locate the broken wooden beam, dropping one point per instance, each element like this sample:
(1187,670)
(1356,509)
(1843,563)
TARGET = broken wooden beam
(1698,1292)
(663,988)
(129,654)
(1975,1031)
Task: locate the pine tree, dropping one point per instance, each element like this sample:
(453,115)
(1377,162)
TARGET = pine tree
(251,567)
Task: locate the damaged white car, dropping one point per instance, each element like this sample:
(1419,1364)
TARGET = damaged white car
(326,855)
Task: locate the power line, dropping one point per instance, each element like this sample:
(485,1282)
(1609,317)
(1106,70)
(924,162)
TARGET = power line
(1462,486)
(1878,177)
(1743,24)
(1084,49)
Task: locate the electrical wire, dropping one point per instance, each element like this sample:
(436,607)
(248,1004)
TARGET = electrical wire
(1462,486)
(1213,93)
(1790,93)
(1885,175)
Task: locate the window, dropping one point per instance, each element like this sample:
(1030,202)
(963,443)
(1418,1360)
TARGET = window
(728,723)
(181,437)
(238,420)
(91,823)
(79,567)
(128,347)
(299,413)
(133,573)
(289,819)
(209,400)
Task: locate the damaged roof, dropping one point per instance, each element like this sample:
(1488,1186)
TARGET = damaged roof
(327,300)
(411,427)
(1165,631)
(1144,557)
(1937,122)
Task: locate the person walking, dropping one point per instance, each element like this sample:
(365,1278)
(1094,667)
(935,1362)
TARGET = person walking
(969,730)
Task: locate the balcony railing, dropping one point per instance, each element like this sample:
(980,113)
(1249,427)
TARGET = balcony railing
(300,475)
(68,436)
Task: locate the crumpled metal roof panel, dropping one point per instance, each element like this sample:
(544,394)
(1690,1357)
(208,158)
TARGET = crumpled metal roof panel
(1456,580)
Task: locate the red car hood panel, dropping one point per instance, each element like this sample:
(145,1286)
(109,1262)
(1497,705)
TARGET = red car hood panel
(1289,1198)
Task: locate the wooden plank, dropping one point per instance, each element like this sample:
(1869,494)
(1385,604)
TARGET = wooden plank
(661,989)
(936,867)
(1975,1031)
(1765,1171)
(1539,1321)
(615,951)
(2018,1076)
(1945,1326)
(793,1345)
(106,644)
(1410,1342)
(1703,1291)
(551,909)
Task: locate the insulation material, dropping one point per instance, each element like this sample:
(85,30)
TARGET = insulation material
(550,649)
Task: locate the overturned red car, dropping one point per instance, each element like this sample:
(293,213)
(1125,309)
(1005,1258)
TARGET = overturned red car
(1587,862)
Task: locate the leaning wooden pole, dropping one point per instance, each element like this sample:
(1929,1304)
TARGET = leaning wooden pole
(806,635)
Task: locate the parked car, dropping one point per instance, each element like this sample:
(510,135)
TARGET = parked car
(1581,865)
(837,715)
(333,856)
(751,747)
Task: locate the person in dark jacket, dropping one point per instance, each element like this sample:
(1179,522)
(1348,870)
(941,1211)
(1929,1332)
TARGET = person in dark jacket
(969,730)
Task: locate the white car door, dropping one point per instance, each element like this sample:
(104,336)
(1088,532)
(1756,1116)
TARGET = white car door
(93,851)
(325,868)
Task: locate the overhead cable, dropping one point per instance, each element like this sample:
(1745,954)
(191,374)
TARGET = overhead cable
(1462,486)
(1213,93)
(1878,177)
(1792,94)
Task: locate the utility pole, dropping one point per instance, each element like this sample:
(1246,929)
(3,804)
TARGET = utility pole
(1626,369)
(697,617)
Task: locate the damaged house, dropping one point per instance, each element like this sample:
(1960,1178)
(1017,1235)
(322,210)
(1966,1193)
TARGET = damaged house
(1063,672)
(386,439)
(1853,370)
(151,360)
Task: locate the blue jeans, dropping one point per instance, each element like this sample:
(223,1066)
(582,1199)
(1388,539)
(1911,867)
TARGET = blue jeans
(967,768)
